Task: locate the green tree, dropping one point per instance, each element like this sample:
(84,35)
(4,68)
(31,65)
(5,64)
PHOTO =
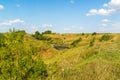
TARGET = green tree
(47,32)
(94,33)
(37,35)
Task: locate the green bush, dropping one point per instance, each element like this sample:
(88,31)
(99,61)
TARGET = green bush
(83,34)
(94,33)
(17,61)
(105,37)
(39,36)
(74,43)
(2,37)
(92,42)
(47,32)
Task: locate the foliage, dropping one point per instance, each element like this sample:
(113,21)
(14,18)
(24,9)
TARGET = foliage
(105,37)
(74,43)
(94,33)
(47,32)
(92,42)
(19,61)
(83,33)
(2,37)
(39,36)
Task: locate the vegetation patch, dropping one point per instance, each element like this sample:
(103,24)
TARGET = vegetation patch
(105,37)
(74,43)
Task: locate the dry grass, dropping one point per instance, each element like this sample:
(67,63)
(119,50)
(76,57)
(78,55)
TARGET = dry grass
(99,62)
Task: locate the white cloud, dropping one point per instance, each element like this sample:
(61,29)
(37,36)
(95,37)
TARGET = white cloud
(92,12)
(1,7)
(101,12)
(114,4)
(47,25)
(109,8)
(106,20)
(114,27)
(11,22)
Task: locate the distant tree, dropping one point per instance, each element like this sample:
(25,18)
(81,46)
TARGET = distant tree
(94,33)
(37,33)
(39,36)
(83,33)
(47,32)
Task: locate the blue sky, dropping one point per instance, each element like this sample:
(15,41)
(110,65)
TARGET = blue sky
(62,16)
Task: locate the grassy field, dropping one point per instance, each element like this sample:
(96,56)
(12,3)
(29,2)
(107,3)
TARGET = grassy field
(99,61)
(89,56)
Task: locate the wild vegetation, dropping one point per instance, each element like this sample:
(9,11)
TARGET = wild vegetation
(19,61)
(25,56)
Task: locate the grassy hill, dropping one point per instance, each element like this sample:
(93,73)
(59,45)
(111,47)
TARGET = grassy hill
(83,61)
(89,56)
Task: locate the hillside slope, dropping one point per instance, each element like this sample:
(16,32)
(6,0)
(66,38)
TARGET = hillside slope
(83,62)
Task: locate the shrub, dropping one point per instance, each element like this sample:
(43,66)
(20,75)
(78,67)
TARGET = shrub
(2,37)
(47,32)
(39,36)
(74,43)
(92,42)
(83,33)
(16,61)
(94,33)
(105,37)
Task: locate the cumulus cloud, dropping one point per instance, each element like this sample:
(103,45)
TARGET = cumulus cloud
(108,8)
(114,4)
(106,20)
(1,7)
(11,22)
